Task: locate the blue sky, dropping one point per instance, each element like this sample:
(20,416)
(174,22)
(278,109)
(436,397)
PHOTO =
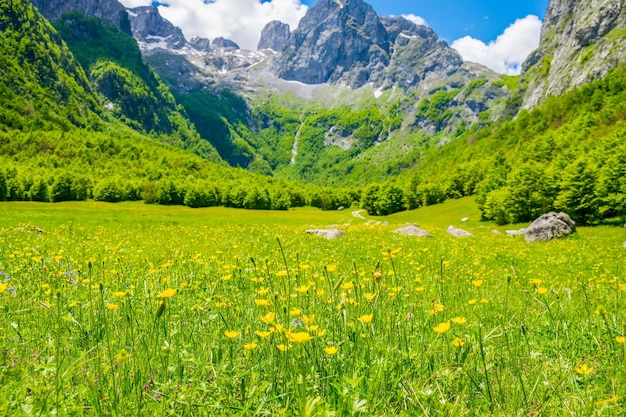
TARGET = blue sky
(453,19)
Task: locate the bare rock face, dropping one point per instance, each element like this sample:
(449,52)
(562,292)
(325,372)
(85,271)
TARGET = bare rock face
(326,233)
(150,27)
(580,41)
(550,226)
(274,36)
(108,11)
(413,231)
(456,232)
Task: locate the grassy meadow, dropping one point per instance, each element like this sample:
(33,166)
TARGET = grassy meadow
(134,309)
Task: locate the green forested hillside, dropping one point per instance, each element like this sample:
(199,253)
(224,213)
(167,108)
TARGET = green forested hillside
(568,153)
(42,86)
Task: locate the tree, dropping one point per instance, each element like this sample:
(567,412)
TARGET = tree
(4,189)
(528,193)
(577,195)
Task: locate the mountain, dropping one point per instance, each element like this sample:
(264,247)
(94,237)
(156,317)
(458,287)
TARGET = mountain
(581,41)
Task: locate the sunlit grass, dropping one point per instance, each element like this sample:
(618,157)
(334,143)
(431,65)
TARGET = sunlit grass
(143,310)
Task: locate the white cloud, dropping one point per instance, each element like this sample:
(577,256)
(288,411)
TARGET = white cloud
(507,53)
(418,20)
(239,20)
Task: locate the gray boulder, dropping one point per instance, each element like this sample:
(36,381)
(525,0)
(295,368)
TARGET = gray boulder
(550,226)
(326,233)
(456,232)
(413,231)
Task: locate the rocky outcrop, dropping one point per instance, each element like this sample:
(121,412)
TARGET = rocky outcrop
(108,11)
(274,36)
(413,231)
(151,29)
(580,41)
(550,226)
(222,43)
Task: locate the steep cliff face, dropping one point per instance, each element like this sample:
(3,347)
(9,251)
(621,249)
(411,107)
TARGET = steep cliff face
(580,41)
(109,11)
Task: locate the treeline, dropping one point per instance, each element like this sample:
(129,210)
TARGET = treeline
(567,154)
(244,192)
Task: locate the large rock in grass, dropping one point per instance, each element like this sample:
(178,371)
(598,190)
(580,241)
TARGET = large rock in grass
(326,233)
(550,226)
(456,232)
(413,231)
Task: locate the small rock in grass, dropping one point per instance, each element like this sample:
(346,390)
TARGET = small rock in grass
(496,232)
(513,233)
(413,231)
(326,233)
(456,232)
(465,219)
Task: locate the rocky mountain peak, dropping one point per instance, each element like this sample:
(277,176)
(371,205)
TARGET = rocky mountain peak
(151,29)
(274,36)
(577,46)
(200,44)
(222,43)
(335,41)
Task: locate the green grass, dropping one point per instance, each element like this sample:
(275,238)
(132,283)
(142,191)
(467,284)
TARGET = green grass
(85,327)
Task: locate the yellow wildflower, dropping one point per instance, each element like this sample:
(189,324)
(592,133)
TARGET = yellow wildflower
(298,337)
(3,286)
(458,342)
(442,327)
(459,320)
(169,293)
(119,294)
(250,346)
(295,311)
(620,339)
(367,318)
(542,290)
(477,282)
(584,369)
(331,350)
(308,319)
(268,318)
(112,306)
(231,334)
(283,348)
(262,334)
(262,302)
(331,268)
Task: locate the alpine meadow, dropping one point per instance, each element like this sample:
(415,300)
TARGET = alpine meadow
(350,220)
